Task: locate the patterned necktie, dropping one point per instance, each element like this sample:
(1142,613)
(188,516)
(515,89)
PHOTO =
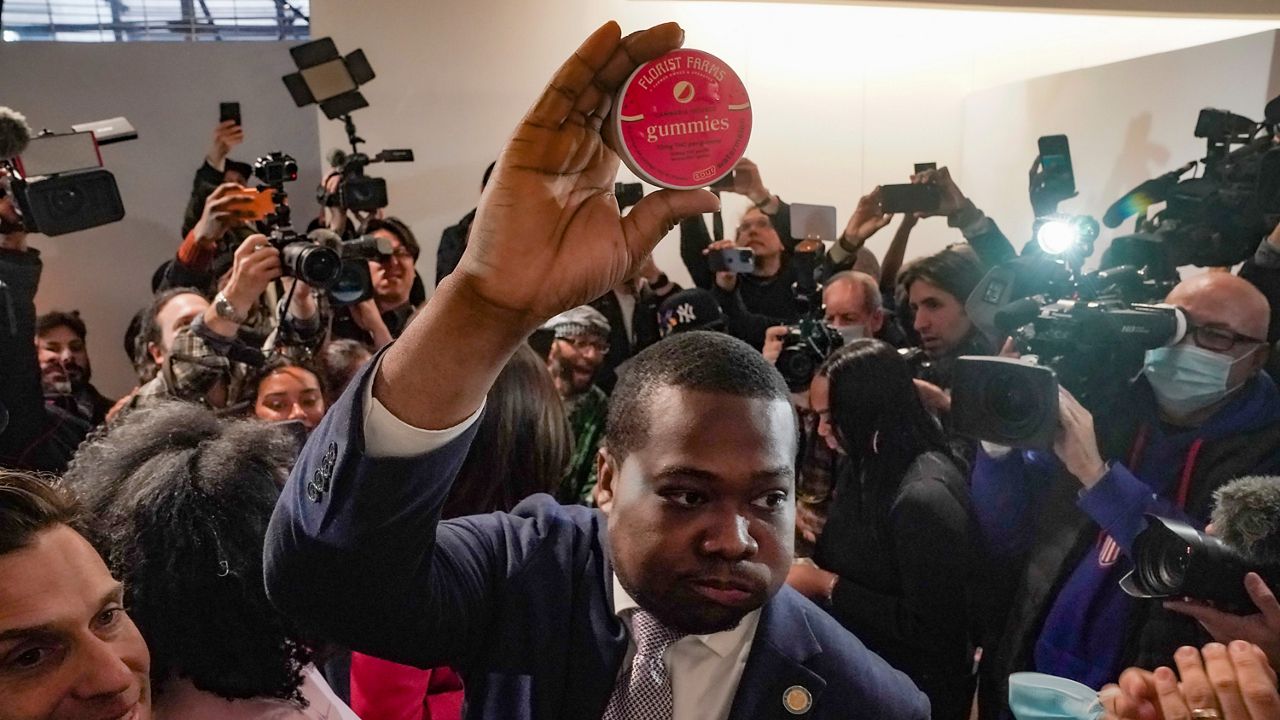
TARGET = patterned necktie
(644,693)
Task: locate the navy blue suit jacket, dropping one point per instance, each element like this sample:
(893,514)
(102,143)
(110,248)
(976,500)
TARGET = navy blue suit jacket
(520,603)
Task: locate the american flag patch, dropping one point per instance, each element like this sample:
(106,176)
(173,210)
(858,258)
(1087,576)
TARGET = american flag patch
(1108,552)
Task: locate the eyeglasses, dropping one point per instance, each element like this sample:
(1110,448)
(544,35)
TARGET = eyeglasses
(584,343)
(1219,339)
(399,253)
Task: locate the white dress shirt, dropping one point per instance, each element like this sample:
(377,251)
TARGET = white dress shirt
(704,669)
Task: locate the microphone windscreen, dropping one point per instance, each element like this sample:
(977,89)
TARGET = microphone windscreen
(1247,517)
(14,133)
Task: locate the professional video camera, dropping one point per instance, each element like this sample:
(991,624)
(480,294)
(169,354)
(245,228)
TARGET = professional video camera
(57,180)
(1173,559)
(354,283)
(1090,348)
(300,257)
(357,191)
(1216,219)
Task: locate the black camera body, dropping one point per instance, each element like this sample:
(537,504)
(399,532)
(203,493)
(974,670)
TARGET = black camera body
(1173,559)
(357,191)
(310,262)
(1092,349)
(68,202)
(805,347)
(354,284)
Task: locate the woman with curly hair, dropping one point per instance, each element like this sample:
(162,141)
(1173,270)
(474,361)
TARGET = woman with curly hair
(183,500)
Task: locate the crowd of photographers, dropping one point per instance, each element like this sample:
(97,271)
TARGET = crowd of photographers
(961,561)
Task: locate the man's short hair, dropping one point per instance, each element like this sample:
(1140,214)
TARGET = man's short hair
(57,319)
(701,361)
(184,499)
(954,272)
(30,504)
(871,299)
(400,229)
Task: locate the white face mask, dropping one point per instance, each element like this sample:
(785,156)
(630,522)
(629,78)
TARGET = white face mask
(1187,379)
(852,332)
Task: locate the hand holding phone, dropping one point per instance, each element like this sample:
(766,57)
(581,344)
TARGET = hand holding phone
(735,260)
(910,198)
(229,111)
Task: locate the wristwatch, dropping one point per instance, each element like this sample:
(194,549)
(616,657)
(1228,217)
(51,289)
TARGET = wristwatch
(225,310)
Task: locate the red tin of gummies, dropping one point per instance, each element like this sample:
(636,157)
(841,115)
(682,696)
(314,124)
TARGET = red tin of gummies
(682,121)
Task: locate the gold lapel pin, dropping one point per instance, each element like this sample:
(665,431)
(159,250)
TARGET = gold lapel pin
(797,700)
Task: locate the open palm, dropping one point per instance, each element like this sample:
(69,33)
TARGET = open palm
(554,181)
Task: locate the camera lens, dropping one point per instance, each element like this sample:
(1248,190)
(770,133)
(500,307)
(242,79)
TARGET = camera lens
(1162,564)
(352,285)
(315,265)
(1012,403)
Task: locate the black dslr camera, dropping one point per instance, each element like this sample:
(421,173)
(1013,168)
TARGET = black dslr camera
(810,341)
(1173,559)
(354,284)
(310,262)
(357,191)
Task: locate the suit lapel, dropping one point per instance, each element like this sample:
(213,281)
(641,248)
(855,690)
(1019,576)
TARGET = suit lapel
(775,676)
(602,642)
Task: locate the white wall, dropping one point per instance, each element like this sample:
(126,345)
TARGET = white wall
(170,92)
(845,97)
(1127,122)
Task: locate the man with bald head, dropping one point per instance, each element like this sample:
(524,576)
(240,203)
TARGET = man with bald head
(1202,413)
(852,304)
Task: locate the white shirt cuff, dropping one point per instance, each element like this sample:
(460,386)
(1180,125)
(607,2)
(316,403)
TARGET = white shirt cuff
(387,436)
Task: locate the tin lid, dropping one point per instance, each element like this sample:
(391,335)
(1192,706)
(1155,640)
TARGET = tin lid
(682,121)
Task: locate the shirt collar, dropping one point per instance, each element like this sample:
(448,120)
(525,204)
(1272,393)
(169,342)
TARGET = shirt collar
(721,643)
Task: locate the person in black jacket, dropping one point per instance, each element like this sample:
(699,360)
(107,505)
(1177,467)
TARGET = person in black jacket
(33,435)
(632,311)
(65,371)
(453,241)
(895,559)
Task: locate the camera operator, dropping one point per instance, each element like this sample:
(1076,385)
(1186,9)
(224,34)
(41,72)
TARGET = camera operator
(209,362)
(453,241)
(212,223)
(65,372)
(1263,270)
(33,435)
(936,289)
(631,310)
(1202,414)
(380,319)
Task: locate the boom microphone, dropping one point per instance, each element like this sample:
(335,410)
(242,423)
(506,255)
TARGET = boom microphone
(14,133)
(1247,517)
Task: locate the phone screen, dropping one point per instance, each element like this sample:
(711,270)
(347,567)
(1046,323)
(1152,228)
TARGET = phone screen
(1055,159)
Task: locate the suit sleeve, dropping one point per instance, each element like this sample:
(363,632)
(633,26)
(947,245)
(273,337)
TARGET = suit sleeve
(356,551)
(21,396)
(930,531)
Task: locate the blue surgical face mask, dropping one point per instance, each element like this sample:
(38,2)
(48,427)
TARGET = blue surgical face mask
(1187,379)
(1035,696)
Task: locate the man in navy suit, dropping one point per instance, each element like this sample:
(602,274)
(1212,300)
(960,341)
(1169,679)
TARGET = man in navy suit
(672,606)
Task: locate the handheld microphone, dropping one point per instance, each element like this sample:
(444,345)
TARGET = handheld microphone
(1247,517)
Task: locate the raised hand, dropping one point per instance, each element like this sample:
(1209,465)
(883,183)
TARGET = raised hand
(226,136)
(548,235)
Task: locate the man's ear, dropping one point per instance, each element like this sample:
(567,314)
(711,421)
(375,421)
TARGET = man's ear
(1264,354)
(606,476)
(157,355)
(877,322)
